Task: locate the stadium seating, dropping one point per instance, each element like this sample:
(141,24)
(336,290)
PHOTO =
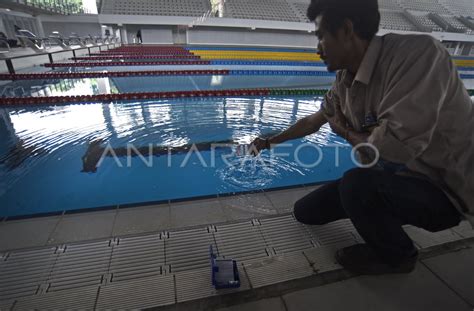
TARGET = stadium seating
(459,7)
(396,21)
(389,5)
(156,7)
(423,19)
(455,23)
(300,9)
(425,5)
(262,9)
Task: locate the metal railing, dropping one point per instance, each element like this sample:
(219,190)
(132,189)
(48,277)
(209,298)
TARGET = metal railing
(11,68)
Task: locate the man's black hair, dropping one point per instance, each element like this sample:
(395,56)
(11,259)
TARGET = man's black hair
(364,14)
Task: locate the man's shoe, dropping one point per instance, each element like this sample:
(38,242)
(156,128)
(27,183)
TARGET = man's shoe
(362,259)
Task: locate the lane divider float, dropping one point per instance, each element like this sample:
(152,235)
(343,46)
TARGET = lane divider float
(89,99)
(122,74)
(164,53)
(170,57)
(105,64)
(198,62)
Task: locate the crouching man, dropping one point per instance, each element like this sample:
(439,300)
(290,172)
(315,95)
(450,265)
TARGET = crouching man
(401,94)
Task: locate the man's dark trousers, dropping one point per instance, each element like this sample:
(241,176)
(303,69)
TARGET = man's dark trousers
(379,202)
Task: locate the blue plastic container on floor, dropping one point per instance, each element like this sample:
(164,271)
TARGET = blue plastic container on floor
(224,272)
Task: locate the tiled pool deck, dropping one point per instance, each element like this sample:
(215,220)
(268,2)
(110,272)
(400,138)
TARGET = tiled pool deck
(157,257)
(67,228)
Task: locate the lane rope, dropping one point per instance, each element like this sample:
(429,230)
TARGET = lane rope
(105,64)
(122,74)
(88,99)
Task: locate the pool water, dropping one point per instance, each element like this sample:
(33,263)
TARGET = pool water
(42,158)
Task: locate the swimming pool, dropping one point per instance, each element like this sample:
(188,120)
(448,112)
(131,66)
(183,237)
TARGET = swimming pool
(117,85)
(111,152)
(43,167)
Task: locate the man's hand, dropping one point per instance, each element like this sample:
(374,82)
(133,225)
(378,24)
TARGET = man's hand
(305,126)
(258,145)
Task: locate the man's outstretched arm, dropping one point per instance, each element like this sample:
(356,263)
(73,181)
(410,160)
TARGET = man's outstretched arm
(305,126)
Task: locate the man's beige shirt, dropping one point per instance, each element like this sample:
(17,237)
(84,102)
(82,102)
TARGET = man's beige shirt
(422,114)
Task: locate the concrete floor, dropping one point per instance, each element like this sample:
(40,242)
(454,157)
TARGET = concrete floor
(440,282)
(444,282)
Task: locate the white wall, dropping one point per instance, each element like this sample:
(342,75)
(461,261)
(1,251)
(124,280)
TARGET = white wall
(82,29)
(83,25)
(151,34)
(158,36)
(258,37)
(213,22)
(124,35)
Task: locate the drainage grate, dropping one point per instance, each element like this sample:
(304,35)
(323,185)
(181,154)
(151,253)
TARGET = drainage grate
(285,235)
(23,272)
(72,299)
(80,265)
(137,257)
(240,241)
(137,294)
(196,284)
(341,231)
(188,249)
(276,269)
